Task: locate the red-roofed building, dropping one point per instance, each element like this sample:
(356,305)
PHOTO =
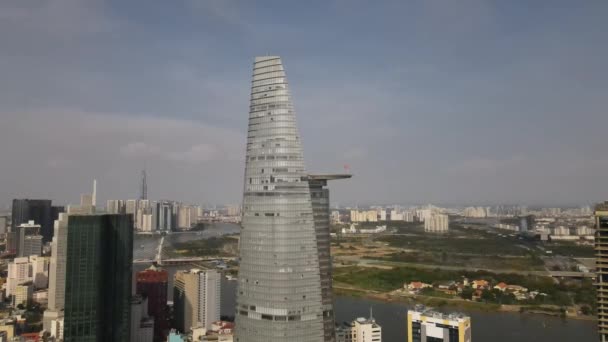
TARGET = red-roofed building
(501,286)
(152,283)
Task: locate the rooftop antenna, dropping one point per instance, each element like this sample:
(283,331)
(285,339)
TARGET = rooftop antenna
(371,313)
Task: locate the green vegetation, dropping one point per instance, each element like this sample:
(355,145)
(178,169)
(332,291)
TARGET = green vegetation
(564,293)
(571,249)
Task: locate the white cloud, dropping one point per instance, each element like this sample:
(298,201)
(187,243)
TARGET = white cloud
(58,152)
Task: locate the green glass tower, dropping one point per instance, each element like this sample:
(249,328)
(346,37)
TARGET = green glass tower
(98,278)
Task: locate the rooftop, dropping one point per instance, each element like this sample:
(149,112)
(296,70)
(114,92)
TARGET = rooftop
(329,176)
(429,312)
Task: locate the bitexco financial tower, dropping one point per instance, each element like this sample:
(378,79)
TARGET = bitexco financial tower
(284,282)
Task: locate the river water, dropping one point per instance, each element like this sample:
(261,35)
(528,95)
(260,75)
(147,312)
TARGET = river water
(486,326)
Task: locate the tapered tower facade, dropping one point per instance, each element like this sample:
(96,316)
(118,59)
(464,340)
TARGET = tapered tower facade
(279,288)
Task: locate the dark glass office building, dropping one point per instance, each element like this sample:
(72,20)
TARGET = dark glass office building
(319,194)
(98,278)
(38,210)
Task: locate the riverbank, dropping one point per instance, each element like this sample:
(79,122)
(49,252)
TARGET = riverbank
(457,304)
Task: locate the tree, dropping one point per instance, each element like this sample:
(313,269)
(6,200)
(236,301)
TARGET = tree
(487,296)
(467,293)
(585,310)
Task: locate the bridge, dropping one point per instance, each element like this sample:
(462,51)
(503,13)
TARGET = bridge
(165,255)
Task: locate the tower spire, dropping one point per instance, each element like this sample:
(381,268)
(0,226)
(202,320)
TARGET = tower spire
(144,185)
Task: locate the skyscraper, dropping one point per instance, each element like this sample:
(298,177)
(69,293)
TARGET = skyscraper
(196,299)
(37,210)
(153,283)
(279,286)
(601,261)
(144,185)
(99,260)
(319,194)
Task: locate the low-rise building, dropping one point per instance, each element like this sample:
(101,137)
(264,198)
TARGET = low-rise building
(501,286)
(360,330)
(426,325)
(417,286)
(480,284)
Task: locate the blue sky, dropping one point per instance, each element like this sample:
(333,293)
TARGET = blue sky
(436,101)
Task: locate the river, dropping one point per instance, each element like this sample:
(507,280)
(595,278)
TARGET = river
(486,326)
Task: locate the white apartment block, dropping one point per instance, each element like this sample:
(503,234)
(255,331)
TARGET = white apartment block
(360,330)
(19,272)
(363,216)
(382,215)
(561,231)
(436,223)
(476,212)
(40,271)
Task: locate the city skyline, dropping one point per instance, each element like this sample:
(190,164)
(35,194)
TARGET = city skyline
(475,102)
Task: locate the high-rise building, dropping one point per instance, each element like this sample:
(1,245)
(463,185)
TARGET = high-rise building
(183,217)
(99,259)
(196,298)
(29,240)
(19,272)
(144,185)
(142,325)
(363,216)
(40,271)
(23,294)
(319,194)
(37,210)
(11,242)
(279,284)
(152,283)
(426,325)
(436,223)
(131,207)
(115,206)
(165,215)
(57,266)
(601,262)
(3,225)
